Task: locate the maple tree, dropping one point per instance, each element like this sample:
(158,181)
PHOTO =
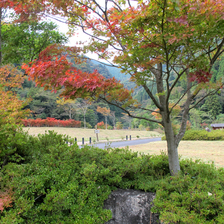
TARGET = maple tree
(150,40)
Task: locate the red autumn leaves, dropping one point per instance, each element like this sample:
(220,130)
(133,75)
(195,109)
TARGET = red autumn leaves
(54,71)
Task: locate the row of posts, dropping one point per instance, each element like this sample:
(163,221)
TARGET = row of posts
(90,139)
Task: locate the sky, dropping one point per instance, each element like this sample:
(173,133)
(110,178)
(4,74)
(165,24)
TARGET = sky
(81,36)
(73,40)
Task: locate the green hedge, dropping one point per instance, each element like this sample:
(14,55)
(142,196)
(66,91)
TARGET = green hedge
(204,135)
(57,183)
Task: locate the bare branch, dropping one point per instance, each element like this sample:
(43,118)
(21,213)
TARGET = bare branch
(128,112)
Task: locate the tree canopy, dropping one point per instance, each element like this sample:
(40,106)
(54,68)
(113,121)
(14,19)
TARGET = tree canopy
(23,42)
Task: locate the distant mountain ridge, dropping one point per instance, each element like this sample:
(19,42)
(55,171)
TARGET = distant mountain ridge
(114,71)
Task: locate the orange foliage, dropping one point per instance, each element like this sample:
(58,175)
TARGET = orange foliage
(103,110)
(10,106)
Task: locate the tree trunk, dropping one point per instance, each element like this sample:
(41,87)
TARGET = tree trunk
(174,164)
(84,120)
(172,144)
(106,122)
(70,112)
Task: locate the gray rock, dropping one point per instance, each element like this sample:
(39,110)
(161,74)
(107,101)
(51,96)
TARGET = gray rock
(131,207)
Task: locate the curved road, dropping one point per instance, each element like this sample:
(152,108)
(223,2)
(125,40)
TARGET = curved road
(104,145)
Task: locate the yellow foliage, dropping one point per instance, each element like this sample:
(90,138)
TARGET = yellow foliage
(11,108)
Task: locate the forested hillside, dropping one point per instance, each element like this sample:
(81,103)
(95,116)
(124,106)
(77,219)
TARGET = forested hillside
(114,71)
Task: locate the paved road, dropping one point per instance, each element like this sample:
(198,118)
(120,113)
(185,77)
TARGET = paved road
(126,143)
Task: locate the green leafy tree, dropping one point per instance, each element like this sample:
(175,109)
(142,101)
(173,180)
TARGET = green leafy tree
(43,104)
(218,69)
(195,118)
(91,117)
(22,42)
(213,106)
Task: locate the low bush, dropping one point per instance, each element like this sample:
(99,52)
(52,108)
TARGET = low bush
(101,125)
(67,184)
(14,144)
(203,135)
(19,147)
(51,122)
(109,127)
(196,195)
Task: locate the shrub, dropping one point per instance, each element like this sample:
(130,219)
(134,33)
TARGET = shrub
(109,127)
(19,147)
(14,144)
(101,125)
(51,122)
(88,125)
(57,188)
(194,196)
(67,184)
(119,125)
(203,135)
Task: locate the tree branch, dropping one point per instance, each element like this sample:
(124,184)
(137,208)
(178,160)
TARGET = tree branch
(129,114)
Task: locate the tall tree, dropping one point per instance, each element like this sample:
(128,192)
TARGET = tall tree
(83,105)
(68,106)
(213,106)
(150,40)
(105,112)
(23,42)
(113,118)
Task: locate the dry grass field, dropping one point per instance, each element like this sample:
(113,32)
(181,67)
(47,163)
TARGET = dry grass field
(207,151)
(80,133)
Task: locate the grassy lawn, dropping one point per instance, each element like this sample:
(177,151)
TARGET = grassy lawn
(79,133)
(207,151)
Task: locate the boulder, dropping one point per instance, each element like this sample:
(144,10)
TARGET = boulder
(131,207)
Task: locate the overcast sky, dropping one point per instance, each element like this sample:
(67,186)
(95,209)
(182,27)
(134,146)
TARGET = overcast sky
(81,36)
